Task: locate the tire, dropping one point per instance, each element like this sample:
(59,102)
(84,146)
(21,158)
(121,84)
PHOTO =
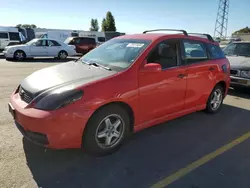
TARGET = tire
(216,97)
(108,140)
(19,55)
(62,54)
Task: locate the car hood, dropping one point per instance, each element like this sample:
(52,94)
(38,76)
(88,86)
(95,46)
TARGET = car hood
(67,74)
(16,46)
(239,62)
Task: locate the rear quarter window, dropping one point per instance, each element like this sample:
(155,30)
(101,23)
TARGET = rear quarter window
(195,51)
(215,52)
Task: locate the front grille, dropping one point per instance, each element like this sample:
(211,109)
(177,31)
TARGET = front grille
(25,96)
(233,72)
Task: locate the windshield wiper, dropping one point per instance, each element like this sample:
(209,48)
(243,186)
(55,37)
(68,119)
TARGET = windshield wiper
(97,65)
(100,65)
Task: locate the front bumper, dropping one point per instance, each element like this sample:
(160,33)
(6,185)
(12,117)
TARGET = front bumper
(238,81)
(8,55)
(59,129)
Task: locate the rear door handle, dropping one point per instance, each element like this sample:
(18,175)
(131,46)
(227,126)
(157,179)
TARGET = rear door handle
(211,68)
(181,75)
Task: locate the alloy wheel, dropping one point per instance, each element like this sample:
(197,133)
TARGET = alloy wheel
(110,131)
(216,99)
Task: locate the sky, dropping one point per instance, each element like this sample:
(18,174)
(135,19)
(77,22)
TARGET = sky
(130,16)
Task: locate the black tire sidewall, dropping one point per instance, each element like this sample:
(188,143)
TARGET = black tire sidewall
(24,55)
(59,54)
(89,142)
(209,109)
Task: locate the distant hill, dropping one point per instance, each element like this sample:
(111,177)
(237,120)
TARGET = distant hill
(244,30)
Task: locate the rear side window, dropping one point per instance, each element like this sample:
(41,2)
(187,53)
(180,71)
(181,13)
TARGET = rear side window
(53,43)
(194,51)
(101,39)
(215,52)
(88,41)
(14,36)
(3,35)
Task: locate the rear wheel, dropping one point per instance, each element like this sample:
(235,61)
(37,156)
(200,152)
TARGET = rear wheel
(215,99)
(62,55)
(106,130)
(19,55)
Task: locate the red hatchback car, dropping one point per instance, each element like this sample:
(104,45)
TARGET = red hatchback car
(125,85)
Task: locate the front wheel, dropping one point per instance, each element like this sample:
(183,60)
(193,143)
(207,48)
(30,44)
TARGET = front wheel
(215,99)
(106,130)
(19,55)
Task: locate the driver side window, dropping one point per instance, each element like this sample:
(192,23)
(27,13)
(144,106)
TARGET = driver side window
(40,43)
(166,54)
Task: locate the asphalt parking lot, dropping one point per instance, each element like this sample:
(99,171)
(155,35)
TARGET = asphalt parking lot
(149,156)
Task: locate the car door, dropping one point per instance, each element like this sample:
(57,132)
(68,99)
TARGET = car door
(201,73)
(39,48)
(53,48)
(162,93)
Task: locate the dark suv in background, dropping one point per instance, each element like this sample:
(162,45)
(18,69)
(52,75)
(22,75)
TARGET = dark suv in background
(82,44)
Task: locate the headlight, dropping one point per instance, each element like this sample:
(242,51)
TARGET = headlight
(58,99)
(245,74)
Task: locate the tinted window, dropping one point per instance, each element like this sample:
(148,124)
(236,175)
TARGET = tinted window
(88,41)
(53,43)
(165,53)
(101,39)
(14,36)
(4,35)
(194,51)
(215,51)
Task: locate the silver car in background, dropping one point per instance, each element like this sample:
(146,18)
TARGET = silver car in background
(238,54)
(39,48)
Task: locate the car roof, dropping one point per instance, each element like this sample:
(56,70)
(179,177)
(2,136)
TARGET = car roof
(156,36)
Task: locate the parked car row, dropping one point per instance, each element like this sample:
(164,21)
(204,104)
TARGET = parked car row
(43,47)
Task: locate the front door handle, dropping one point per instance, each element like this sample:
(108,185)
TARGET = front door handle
(211,69)
(181,75)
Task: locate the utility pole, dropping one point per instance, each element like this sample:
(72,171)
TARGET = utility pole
(222,20)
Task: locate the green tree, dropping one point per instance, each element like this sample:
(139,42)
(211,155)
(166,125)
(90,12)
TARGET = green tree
(110,22)
(94,26)
(26,25)
(103,24)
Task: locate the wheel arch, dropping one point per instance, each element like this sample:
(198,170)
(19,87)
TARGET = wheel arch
(22,50)
(223,85)
(124,105)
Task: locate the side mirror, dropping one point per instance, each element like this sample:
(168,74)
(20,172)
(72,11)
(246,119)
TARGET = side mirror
(152,67)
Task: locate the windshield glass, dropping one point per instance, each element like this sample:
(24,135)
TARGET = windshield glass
(68,40)
(116,53)
(31,42)
(239,49)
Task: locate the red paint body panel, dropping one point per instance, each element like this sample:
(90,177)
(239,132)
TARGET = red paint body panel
(154,96)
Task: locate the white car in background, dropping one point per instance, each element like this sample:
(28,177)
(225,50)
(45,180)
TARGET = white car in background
(40,48)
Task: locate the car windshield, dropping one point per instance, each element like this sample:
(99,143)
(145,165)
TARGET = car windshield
(237,49)
(116,54)
(31,42)
(68,40)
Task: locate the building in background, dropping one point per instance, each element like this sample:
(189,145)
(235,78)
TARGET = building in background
(243,34)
